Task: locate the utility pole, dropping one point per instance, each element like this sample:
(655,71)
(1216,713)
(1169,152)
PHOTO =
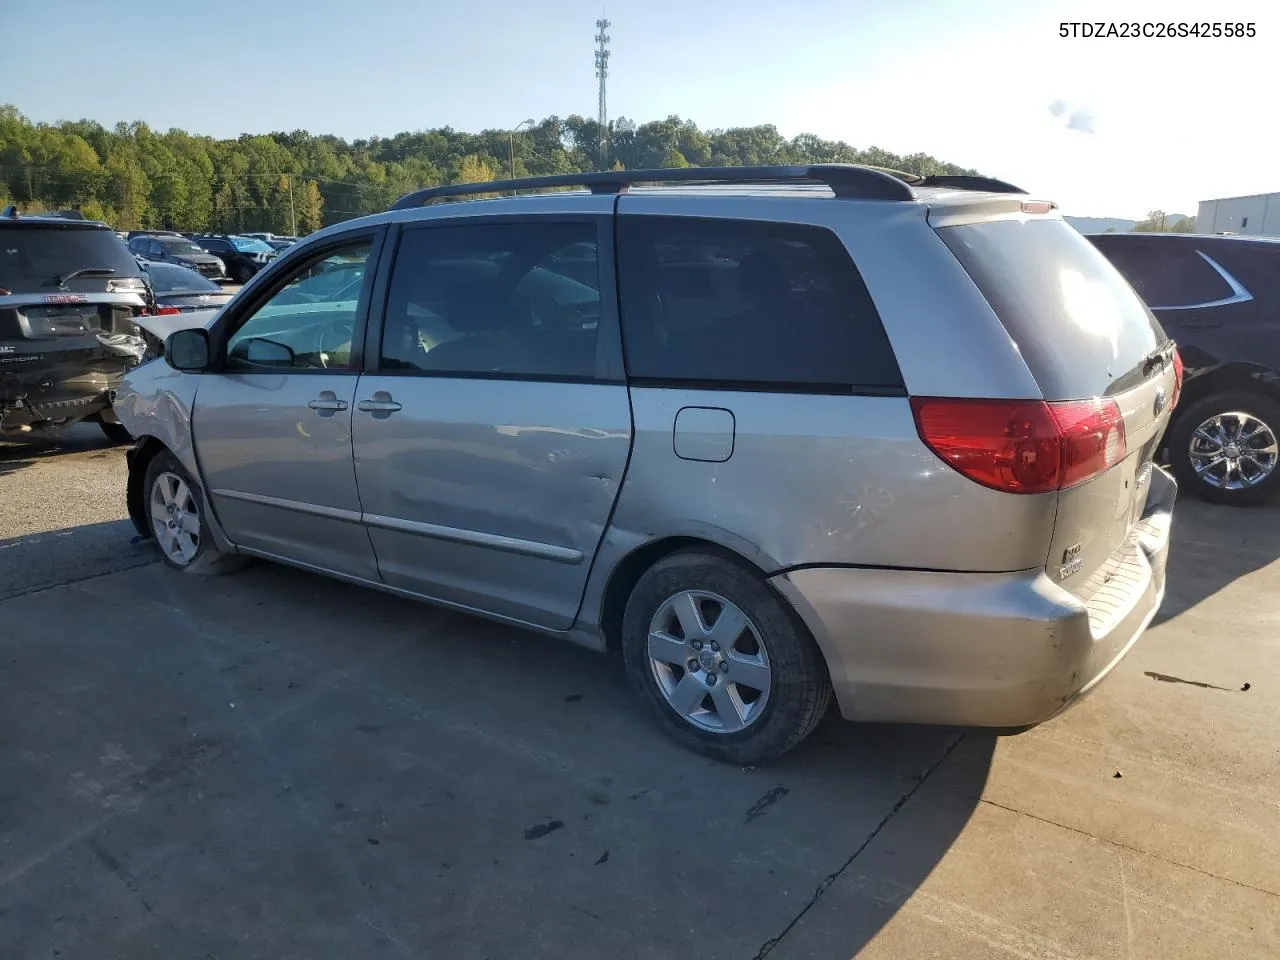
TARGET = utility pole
(602,71)
(293,219)
(511,143)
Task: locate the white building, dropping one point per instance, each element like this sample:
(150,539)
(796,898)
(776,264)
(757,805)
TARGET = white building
(1253,216)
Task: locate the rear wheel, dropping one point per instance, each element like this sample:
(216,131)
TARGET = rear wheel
(723,664)
(1224,448)
(175,514)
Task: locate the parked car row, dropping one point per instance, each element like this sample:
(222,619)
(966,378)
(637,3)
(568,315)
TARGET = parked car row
(225,257)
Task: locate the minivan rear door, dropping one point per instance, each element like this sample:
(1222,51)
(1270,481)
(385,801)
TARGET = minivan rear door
(1084,334)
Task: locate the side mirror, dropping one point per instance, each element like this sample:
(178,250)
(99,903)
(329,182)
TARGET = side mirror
(263,353)
(187,350)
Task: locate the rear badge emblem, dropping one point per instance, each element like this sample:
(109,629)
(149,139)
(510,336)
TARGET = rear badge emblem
(1071,561)
(1160,401)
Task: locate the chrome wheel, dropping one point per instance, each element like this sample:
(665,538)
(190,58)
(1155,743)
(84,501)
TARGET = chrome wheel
(709,661)
(175,518)
(1233,451)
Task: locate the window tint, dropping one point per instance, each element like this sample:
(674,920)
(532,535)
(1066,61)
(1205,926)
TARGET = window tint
(313,319)
(1166,272)
(745,302)
(34,257)
(519,299)
(1081,329)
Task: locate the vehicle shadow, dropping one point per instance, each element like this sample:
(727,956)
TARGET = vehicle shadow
(1212,547)
(49,558)
(19,451)
(452,761)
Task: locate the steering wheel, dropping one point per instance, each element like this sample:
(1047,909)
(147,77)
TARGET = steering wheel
(337,327)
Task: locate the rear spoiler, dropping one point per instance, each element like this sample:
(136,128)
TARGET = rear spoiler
(958,210)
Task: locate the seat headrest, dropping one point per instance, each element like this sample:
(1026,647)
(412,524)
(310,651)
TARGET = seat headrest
(761,277)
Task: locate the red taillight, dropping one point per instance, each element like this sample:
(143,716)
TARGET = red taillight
(166,311)
(1177,377)
(1093,441)
(1023,446)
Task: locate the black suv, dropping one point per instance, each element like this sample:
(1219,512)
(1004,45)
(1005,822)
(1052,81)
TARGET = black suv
(162,248)
(1219,298)
(69,295)
(244,256)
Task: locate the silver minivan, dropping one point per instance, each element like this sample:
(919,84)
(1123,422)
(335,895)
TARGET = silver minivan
(775,434)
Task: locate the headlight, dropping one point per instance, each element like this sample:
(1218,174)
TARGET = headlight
(222,267)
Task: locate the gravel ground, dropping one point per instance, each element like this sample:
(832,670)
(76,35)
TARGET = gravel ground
(62,511)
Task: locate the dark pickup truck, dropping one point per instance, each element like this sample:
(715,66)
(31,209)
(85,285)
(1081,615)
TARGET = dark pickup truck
(70,295)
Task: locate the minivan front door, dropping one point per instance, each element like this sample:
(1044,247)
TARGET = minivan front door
(492,439)
(272,429)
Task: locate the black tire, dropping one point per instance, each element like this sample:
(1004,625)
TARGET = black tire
(1251,402)
(207,559)
(115,432)
(242,273)
(800,690)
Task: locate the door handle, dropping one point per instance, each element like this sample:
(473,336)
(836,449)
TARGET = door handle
(328,400)
(380,402)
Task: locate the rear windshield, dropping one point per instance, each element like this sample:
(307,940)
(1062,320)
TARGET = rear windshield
(168,278)
(1080,327)
(33,258)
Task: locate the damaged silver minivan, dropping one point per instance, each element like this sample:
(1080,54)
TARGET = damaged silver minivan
(776,434)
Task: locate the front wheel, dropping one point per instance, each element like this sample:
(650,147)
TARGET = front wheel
(1223,448)
(175,513)
(242,273)
(723,664)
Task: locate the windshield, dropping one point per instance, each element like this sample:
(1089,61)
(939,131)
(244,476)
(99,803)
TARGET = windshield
(250,245)
(1080,327)
(169,278)
(184,247)
(31,257)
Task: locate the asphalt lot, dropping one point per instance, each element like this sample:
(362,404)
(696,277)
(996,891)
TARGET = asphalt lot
(273,765)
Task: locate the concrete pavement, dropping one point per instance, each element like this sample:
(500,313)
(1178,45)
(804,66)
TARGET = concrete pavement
(274,765)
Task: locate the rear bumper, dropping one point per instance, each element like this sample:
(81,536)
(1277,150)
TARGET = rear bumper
(974,649)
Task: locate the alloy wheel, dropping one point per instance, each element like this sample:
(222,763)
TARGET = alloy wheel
(175,518)
(709,661)
(1233,451)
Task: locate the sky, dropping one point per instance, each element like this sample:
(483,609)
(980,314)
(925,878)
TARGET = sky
(1107,127)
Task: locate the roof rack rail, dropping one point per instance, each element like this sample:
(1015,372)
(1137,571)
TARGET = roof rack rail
(964,182)
(845,180)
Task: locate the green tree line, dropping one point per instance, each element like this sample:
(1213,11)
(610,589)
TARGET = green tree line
(134,177)
(1158,221)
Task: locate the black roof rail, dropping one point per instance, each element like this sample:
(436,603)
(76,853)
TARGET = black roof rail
(965,182)
(845,180)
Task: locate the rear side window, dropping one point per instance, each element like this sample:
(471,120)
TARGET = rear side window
(1079,326)
(1174,272)
(748,303)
